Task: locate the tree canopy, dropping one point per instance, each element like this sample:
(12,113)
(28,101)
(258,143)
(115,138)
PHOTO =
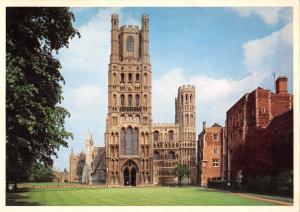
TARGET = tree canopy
(34,120)
(181,171)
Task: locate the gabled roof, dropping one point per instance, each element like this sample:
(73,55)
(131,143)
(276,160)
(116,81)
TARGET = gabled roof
(216,125)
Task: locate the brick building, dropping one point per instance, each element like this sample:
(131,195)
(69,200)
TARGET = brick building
(209,154)
(253,113)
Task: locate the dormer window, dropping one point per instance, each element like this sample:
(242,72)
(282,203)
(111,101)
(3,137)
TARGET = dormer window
(130,44)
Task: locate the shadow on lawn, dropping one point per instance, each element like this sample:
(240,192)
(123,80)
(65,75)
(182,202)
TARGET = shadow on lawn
(16,199)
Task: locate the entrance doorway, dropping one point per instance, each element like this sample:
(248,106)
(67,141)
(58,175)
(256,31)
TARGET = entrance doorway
(130,173)
(133,176)
(126,177)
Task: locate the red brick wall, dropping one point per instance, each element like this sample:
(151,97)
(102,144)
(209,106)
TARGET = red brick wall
(210,144)
(281,103)
(258,108)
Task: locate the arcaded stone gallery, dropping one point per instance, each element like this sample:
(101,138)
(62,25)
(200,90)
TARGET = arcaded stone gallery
(137,151)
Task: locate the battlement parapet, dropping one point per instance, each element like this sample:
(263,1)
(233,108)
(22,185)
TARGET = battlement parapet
(114,16)
(186,88)
(165,125)
(145,16)
(130,28)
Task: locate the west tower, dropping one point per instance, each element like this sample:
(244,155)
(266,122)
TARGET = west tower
(128,136)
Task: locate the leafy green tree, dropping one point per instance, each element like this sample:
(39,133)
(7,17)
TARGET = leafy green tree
(181,171)
(41,173)
(34,120)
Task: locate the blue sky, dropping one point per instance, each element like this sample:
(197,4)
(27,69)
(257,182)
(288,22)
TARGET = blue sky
(224,52)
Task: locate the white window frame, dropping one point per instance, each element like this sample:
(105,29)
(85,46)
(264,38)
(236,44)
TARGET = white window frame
(215,162)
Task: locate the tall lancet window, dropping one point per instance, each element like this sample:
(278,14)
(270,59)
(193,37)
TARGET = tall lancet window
(137,100)
(135,141)
(130,44)
(128,142)
(129,100)
(122,100)
(123,141)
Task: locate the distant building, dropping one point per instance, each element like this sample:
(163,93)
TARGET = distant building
(88,167)
(61,177)
(253,113)
(209,154)
(77,162)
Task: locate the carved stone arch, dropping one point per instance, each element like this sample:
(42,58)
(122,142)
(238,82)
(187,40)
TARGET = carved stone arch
(145,99)
(146,138)
(145,79)
(116,137)
(112,138)
(130,44)
(128,169)
(142,138)
(155,135)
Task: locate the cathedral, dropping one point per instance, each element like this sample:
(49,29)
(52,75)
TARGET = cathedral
(137,151)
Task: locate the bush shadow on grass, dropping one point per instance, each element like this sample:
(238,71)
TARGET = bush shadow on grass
(16,199)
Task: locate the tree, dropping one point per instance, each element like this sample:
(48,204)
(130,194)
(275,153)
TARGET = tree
(41,173)
(34,120)
(181,171)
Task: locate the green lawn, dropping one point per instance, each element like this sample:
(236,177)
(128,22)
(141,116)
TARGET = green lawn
(128,196)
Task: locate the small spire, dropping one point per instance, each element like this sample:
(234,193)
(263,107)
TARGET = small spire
(72,153)
(89,136)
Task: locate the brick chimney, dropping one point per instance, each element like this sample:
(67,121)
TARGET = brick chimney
(281,85)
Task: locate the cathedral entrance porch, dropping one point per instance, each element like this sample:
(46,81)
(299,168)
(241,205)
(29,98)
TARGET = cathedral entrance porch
(130,171)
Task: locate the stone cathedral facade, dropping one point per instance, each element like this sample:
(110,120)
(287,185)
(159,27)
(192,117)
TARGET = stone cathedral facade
(138,151)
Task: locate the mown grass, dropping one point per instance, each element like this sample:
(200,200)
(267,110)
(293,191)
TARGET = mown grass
(48,183)
(160,196)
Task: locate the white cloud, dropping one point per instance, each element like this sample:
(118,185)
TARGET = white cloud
(214,96)
(86,60)
(85,67)
(273,53)
(270,15)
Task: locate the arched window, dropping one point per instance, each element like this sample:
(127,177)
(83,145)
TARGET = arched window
(122,100)
(137,100)
(145,80)
(145,99)
(191,98)
(114,99)
(137,77)
(135,141)
(114,78)
(171,135)
(171,155)
(122,77)
(128,142)
(155,135)
(129,100)
(156,155)
(130,77)
(130,44)
(123,141)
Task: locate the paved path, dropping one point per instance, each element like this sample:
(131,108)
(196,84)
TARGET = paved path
(264,199)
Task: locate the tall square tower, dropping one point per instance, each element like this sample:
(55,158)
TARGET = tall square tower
(128,135)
